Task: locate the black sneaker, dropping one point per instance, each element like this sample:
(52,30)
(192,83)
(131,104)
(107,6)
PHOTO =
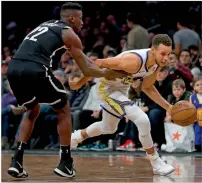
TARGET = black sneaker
(16,170)
(65,169)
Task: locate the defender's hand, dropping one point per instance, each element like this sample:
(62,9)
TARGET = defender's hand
(73,82)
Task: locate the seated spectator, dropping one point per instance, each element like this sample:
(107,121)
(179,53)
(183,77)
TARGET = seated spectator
(178,93)
(78,97)
(11,115)
(185,59)
(179,71)
(200,62)
(196,99)
(195,54)
(4,80)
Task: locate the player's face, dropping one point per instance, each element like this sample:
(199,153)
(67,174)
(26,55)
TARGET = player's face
(161,54)
(198,87)
(77,21)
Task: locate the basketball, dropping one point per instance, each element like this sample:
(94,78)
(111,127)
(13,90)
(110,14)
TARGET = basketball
(183,113)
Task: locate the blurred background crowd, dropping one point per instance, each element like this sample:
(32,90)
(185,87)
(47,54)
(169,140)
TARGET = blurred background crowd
(110,28)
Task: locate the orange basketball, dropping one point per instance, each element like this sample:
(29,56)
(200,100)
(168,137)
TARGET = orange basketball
(184,113)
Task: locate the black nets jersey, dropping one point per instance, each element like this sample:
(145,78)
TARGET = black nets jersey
(41,44)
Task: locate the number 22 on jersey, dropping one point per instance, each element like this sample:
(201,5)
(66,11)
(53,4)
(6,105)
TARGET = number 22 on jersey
(35,33)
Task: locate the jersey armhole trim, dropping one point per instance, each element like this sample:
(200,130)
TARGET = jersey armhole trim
(66,27)
(146,62)
(140,59)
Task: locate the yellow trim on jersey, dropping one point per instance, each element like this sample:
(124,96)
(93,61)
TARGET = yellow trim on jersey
(116,106)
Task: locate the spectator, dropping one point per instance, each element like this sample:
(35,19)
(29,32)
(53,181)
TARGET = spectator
(178,70)
(196,99)
(185,59)
(194,51)
(178,93)
(138,36)
(185,37)
(11,115)
(4,80)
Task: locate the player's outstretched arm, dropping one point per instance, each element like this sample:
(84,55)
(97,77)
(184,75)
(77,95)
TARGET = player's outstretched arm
(128,62)
(150,90)
(89,69)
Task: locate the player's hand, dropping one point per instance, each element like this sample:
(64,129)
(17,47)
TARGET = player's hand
(17,110)
(73,82)
(169,109)
(167,118)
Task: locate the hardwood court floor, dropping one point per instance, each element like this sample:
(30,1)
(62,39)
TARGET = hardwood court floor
(93,167)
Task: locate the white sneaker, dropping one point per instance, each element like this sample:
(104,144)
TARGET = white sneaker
(159,166)
(76,138)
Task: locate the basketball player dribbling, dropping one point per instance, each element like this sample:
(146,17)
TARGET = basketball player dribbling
(31,79)
(141,64)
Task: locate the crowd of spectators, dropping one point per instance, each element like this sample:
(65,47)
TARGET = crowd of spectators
(106,33)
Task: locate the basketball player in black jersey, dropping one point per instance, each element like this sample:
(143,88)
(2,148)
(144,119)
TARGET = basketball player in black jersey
(32,81)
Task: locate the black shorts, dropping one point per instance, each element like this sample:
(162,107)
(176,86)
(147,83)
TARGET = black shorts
(33,83)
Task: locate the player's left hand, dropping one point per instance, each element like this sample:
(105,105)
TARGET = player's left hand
(73,82)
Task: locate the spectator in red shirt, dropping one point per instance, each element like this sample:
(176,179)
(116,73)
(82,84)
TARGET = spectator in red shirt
(179,71)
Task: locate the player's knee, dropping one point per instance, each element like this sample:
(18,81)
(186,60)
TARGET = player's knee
(143,125)
(33,113)
(108,129)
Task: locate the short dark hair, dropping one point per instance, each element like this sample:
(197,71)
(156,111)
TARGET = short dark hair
(185,50)
(132,17)
(179,83)
(193,47)
(71,6)
(161,39)
(183,20)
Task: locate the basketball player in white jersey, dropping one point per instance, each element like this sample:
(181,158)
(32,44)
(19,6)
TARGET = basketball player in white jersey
(141,64)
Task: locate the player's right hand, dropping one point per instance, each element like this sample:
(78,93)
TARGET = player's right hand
(169,109)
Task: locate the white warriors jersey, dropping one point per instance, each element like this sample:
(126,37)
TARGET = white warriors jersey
(109,86)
